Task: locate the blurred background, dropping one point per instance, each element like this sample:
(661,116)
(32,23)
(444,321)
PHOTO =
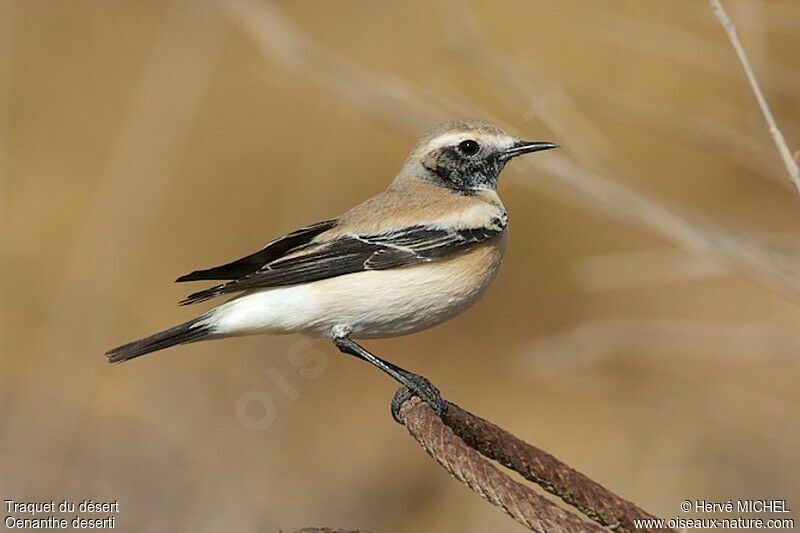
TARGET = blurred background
(644,327)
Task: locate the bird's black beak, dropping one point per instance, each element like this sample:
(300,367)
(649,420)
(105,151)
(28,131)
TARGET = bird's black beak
(526,147)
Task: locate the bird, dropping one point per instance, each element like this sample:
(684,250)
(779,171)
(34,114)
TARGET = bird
(407,259)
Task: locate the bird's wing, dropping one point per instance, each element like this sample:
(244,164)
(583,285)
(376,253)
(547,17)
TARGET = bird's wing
(351,253)
(272,251)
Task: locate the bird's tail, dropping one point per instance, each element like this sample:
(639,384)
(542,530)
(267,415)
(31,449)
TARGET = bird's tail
(191,331)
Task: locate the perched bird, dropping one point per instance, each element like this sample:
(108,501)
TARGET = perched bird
(407,259)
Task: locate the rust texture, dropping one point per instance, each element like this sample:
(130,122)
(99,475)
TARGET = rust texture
(468,466)
(463,444)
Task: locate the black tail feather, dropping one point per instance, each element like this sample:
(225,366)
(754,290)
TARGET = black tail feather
(191,331)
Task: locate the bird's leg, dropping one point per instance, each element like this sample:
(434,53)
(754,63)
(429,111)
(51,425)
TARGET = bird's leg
(413,384)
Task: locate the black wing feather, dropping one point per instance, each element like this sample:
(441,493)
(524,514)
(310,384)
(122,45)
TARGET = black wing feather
(355,253)
(272,251)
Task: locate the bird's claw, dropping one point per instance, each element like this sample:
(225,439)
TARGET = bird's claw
(422,388)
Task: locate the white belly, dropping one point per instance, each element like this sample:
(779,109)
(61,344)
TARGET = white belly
(371,304)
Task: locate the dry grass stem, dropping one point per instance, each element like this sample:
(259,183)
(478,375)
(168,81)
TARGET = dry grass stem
(775,17)
(774,131)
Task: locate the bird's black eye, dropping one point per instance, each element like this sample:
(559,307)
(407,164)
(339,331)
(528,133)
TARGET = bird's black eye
(469,147)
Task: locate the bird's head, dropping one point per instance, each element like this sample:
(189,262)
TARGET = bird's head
(467,156)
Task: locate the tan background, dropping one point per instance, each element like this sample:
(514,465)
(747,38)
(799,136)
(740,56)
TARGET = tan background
(649,340)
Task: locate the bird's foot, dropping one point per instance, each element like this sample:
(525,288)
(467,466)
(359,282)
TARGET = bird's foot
(413,384)
(416,385)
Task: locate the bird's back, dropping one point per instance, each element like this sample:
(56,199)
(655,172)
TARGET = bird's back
(425,204)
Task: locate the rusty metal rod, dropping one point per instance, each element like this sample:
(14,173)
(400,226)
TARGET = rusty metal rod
(468,466)
(554,476)
(457,440)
